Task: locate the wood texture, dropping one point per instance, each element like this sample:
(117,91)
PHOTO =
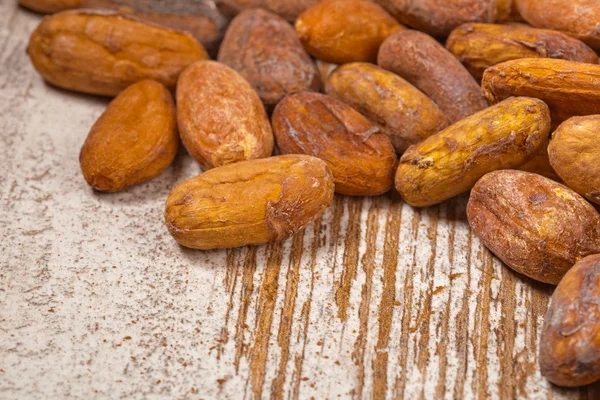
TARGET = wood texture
(374,300)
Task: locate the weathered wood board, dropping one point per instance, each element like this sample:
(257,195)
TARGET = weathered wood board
(374,300)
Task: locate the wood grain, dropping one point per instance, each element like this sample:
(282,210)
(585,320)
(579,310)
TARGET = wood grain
(375,300)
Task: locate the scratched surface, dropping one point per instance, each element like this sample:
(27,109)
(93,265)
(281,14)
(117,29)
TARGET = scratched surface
(374,300)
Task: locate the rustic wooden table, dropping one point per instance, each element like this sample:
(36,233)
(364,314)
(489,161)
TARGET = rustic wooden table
(374,300)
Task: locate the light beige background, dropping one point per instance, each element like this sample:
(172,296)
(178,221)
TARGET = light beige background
(97,301)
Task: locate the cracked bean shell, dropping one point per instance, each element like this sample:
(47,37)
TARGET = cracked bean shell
(265,50)
(536,226)
(133,141)
(343,31)
(103,52)
(480,46)
(575,155)
(221,118)
(427,65)
(361,158)
(570,341)
(569,88)
(452,161)
(402,112)
(249,203)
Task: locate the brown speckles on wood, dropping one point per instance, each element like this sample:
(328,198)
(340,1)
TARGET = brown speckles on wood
(230,283)
(367,261)
(287,314)
(407,308)
(441,349)
(303,337)
(507,334)
(350,257)
(259,350)
(387,301)
(246,292)
(480,336)
(426,297)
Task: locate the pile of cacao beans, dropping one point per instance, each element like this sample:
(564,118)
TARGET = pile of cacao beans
(499,98)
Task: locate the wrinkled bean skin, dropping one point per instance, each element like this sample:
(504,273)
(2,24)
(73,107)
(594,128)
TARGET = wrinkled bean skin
(343,31)
(427,65)
(104,52)
(570,341)
(198,17)
(575,154)
(361,158)
(536,226)
(576,18)
(480,46)
(452,161)
(438,18)
(569,88)
(133,141)
(401,111)
(287,9)
(249,203)
(220,116)
(265,50)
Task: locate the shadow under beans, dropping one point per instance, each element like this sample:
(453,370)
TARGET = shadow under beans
(158,188)
(29,11)
(541,288)
(393,196)
(589,392)
(456,208)
(81,97)
(200,258)
(256,256)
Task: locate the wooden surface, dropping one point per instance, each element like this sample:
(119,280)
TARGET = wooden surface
(374,300)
